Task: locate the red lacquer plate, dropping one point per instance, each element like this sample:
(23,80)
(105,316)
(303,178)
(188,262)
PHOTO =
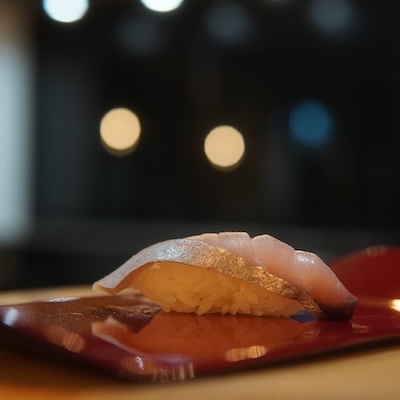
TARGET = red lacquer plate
(128,337)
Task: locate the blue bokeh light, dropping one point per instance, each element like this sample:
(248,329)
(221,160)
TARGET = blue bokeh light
(333,16)
(310,123)
(228,22)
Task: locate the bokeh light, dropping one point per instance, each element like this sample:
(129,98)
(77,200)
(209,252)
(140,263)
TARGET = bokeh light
(277,1)
(224,147)
(395,304)
(228,22)
(120,131)
(143,35)
(162,5)
(332,16)
(310,123)
(66,10)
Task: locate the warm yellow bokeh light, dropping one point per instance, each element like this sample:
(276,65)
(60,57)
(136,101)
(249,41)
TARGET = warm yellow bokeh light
(224,147)
(395,304)
(120,131)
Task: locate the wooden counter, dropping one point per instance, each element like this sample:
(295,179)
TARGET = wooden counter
(372,374)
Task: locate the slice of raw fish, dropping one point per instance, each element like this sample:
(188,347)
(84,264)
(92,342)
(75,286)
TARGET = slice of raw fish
(300,268)
(262,260)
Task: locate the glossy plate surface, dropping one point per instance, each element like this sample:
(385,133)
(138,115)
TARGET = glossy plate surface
(128,337)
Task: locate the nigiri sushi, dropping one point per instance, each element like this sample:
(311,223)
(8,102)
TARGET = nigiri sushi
(232,273)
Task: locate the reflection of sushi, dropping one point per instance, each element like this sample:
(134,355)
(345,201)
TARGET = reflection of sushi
(205,336)
(233,273)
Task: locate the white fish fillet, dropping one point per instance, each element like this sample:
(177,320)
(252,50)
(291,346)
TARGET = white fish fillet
(262,260)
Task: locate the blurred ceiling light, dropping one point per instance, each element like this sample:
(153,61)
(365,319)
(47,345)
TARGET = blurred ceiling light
(228,22)
(310,123)
(120,131)
(66,10)
(332,16)
(224,147)
(162,5)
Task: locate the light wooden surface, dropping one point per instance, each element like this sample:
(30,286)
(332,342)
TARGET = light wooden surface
(372,374)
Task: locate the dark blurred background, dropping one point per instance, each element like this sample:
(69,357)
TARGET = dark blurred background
(312,87)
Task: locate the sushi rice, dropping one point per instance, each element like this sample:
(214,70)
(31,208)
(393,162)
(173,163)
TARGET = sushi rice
(190,289)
